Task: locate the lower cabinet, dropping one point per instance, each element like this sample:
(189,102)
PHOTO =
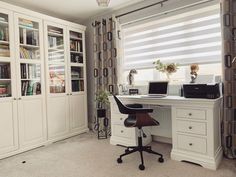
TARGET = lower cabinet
(32,121)
(78,120)
(66,116)
(8,126)
(58,117)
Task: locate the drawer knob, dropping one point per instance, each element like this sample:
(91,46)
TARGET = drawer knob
(121,118)
(122,131)
(190,114)
(190,144)
(190,127)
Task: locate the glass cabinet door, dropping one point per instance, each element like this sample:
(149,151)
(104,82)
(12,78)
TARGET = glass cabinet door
(56,60)
(30,55)
(4,36)
(5,79)
(6,61)
(76,61)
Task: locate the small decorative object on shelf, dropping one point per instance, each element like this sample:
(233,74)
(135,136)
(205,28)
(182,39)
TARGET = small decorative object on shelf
(131,76)
(194,69)
(167,68)
(102,121)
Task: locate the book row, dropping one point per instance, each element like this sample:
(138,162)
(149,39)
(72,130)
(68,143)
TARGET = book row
(30,88)
(30,71)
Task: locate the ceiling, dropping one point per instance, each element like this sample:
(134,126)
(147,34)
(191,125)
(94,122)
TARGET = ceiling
(73,10)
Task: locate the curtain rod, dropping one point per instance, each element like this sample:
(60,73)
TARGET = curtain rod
(170,11)
(145,7)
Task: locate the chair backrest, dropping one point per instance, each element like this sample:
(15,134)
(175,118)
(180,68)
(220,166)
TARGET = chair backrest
(122,108)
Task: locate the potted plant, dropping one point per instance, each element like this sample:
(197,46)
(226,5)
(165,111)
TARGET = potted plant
(167,68)
(102,101)
(102,98)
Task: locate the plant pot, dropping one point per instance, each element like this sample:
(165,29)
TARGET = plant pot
(101,112)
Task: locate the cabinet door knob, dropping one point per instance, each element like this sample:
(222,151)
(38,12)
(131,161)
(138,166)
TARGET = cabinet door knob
(71,94)
(67,94)
(14,99)
(121,118)
(19,98)
(190,144)
(190,127)
(190,114)
(122,131)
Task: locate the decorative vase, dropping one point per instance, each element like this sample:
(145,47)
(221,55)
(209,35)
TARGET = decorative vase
(168,76)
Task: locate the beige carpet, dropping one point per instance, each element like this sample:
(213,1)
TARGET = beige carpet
(85,156)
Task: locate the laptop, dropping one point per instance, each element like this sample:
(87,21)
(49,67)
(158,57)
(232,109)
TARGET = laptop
(157,89)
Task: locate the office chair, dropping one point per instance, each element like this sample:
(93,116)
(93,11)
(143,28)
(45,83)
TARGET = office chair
(137,117)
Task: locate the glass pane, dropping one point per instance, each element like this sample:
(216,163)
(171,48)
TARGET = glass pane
(4,36)
(30,79)
(77,79)
(29,39)
(5,80)
(76,47)
(55,44)
(57,78)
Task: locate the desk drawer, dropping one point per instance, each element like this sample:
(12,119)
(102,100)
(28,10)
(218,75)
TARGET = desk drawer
(193,144)
(191,127)
(122,131)
(191,113)
(118,118)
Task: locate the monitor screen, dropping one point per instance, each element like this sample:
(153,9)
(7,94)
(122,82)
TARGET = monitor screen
(158,87)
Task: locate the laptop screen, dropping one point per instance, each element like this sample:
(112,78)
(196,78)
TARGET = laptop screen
(158,87)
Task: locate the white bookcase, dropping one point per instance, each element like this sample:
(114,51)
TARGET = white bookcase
(8,95)
(43,95)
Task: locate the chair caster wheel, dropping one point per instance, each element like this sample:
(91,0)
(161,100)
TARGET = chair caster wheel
(141,167)
(127,150)
(161,160)
(119,160)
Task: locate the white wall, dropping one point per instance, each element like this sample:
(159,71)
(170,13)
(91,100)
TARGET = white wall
(169,5)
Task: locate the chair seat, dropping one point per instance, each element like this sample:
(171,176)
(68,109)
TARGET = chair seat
(131,122)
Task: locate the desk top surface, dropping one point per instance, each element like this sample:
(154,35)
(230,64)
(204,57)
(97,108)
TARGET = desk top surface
(168,99)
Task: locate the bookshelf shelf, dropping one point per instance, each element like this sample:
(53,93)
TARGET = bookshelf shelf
(55,49)
(5,79)
(30,46)
(28,28)
(55,34)
(30,79)
(4,42)
(76,52)
(75,38)
(3,23)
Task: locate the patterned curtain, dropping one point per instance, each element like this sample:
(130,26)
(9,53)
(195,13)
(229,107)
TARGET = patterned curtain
(106,58)
(228,14)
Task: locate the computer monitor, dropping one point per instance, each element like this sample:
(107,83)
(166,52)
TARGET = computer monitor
(158,88)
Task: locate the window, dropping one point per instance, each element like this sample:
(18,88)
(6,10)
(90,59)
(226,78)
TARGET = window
(193,35)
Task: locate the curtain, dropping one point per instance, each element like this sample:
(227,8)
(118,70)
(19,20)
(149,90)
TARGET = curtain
(106,44)
(228,14)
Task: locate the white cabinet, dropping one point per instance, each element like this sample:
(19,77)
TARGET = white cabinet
(120,135)
(196,133)
(8,126)
(8,102)
(77,80)
(57,80)
(43,94)
(66,81)
(195,127)
(78,119)
(30,80)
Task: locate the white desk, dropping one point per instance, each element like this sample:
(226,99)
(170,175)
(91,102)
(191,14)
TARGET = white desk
(195,127)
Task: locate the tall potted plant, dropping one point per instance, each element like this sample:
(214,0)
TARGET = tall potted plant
(102,102)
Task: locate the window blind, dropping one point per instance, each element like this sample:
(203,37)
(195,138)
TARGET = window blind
(190,36)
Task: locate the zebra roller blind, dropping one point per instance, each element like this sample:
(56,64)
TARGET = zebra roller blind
(190,35)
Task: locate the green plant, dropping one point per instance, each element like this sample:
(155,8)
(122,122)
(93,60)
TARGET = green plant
(102,97)
(168,68)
